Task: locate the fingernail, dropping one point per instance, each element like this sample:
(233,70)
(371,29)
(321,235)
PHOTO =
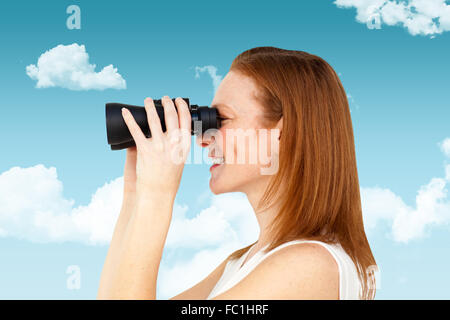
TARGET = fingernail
(124,110)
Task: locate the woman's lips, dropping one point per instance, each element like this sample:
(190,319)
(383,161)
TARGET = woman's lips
(213,166)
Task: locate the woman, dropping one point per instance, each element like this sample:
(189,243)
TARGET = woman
(312,243)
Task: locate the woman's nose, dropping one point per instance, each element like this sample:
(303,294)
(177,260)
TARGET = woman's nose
(202,140)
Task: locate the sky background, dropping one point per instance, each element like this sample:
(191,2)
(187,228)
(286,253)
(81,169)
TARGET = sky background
(60,184)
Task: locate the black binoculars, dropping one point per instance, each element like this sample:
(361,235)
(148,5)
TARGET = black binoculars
(119,137)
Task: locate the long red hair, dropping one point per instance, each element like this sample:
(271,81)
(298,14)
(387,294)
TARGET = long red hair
(316,184)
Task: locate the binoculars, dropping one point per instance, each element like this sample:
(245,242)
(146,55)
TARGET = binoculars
(119,137)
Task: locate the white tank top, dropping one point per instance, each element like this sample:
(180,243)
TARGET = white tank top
(349,284)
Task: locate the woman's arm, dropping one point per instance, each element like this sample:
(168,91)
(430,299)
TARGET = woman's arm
(128,203)
(139,252)
(114,247)
(136,249)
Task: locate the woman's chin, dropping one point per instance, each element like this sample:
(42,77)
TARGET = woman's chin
(217,187)
(219,182)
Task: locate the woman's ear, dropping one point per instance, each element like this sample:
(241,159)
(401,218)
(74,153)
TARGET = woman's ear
(279,126)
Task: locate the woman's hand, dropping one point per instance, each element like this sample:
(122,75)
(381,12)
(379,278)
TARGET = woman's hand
(159,159)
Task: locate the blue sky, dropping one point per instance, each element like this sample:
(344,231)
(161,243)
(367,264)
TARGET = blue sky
(57,172)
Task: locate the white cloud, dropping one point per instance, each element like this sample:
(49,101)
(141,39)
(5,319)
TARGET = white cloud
(352,102)
(432,208)
(408,223)
(209,226)
(419,17)
(32,207)
(375,210)
(445,147)
(229,218)
(68,67)
(212,71)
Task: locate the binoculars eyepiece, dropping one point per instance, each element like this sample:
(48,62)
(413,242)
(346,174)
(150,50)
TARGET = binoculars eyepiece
(119,137)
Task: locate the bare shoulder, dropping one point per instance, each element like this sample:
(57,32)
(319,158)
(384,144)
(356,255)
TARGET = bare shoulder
(307,254)
(297,271)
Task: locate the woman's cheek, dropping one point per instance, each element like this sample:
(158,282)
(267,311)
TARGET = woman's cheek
(223,142)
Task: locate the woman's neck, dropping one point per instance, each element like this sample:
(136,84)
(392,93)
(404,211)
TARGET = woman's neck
(264,216)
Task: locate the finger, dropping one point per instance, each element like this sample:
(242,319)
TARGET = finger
(154,122)
(184,115)
(170,114)
(133,127)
